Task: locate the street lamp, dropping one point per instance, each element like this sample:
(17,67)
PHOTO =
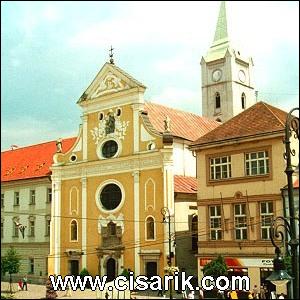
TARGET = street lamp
(166,214)
(289,224)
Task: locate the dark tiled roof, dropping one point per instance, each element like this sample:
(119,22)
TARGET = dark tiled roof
(260,118)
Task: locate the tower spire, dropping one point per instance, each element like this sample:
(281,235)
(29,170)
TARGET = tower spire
(221,34)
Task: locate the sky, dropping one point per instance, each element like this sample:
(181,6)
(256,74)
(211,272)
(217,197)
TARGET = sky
(51,52)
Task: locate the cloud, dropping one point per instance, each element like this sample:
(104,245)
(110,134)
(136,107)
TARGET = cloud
(27,131)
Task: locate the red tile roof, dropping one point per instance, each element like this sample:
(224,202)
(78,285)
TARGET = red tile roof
(30,162)
(34,161)
(183,124)
(185,184)
(257,119)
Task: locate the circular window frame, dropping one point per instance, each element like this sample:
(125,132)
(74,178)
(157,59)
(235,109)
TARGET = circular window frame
(99,190)
(100,145)
(70,158)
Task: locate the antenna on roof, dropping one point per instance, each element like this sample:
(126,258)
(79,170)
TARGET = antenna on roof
(13,147)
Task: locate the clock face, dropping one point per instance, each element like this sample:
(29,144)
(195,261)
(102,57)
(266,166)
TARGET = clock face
(242,76)
(216,75)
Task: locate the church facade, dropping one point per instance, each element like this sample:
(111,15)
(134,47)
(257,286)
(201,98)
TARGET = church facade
(114,187)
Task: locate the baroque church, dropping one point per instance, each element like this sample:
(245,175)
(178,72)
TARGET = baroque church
(126,171)
(123,193)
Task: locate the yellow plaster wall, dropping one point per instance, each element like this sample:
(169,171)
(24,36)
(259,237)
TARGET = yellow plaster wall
(93,121)
(229,187)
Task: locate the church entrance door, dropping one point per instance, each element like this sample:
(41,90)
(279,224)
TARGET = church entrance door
(151,268)
(111,269)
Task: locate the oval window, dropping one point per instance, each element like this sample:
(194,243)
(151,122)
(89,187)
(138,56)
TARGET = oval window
(109,149)
(110,196)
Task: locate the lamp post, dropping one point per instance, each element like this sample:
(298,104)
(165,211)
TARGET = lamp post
(166,214)
(289,224)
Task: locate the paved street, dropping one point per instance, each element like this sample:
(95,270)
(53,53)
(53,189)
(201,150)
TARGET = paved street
(38,292)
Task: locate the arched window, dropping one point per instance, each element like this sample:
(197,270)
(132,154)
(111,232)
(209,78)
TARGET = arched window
(74,230)
(194,229)
(218,100)
(243,99)
(150,230)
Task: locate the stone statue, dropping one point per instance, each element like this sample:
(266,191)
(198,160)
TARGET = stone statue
(59,145)
(167,122)
(110,124)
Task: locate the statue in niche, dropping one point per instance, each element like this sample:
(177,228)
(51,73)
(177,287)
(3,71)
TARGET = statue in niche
(110,124)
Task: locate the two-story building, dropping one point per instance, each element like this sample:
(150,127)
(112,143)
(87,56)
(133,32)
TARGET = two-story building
(240,171)
(26,195)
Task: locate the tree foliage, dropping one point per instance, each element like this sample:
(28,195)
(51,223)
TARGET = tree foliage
(84,272)
(10,263)
(216,267)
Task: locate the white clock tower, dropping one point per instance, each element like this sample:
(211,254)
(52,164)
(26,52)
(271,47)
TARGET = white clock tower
(227,80)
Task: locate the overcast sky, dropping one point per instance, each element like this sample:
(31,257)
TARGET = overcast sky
(51,51)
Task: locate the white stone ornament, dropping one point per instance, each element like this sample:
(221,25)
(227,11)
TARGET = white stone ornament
(103,222)
(110,83)
(98,133)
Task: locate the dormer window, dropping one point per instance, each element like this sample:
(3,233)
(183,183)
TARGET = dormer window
(218,101)
(243,100)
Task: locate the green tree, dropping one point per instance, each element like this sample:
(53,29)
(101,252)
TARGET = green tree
(216,267)
(10,264)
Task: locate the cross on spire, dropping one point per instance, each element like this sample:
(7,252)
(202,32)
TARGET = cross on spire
(111,55)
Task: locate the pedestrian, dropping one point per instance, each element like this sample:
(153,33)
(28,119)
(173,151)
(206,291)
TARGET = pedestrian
(191,295)
(25,282)
(262,292)
(255,292)
(281,296)
(234,295)
(250,295)
(20,285)
(201,294)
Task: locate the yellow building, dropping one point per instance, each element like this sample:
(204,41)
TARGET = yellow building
(110,187)
(240,171)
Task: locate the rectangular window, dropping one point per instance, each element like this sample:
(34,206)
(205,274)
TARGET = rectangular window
(266,217)
(240,221)
(48,224)
(257,163)
(32,197)
(17,199)
(49,195)
(15,229)
(31,228)
(31,266)
(215,222)
(220,168)
(2,200)
(2,228)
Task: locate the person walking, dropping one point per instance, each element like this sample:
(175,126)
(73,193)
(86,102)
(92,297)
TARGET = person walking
(25,280)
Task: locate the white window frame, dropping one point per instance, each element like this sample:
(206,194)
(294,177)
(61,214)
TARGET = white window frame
(146,227)
(32,197)
(15,227)
(49,195)
(240,218)
(17,198)
(250,163)
(264,216)
(216,230)
(77,231)
(219,163)
(31,226)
